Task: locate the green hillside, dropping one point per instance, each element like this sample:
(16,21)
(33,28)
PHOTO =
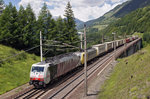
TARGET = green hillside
(137,21)
(15,71)
(130,78)
(131,6)
(121,21)
(116,13)
(103,20)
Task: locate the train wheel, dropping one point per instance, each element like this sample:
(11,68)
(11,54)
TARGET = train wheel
(36,86)
(44,85)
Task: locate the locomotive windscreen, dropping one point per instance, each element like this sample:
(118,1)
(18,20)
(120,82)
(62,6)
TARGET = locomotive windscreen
(37,69)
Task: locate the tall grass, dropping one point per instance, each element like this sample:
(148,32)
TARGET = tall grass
(15,71)
(130,78)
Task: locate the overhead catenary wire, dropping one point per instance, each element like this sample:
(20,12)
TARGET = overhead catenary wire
(11,37)
(18,53)
(33,47)
(54,40)
(14,37)
(61,43)
(65,45)
(62,46)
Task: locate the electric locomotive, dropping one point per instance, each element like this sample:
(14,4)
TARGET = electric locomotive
(44,72)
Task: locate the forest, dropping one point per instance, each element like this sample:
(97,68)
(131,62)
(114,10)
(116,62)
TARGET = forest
(136,21)
(20,29)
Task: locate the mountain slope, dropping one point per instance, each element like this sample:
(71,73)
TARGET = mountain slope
(103,18)
(118,12)
(136,21)
(78,22)
(131,6)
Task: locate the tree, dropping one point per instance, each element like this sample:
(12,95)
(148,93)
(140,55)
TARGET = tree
(47,26)
(31,37)
(60,26)
(146,37)
(70,26)
(8,25)
(45,23)
(22,22)
(1,6)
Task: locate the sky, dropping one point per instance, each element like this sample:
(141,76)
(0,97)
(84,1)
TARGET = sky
(84,10)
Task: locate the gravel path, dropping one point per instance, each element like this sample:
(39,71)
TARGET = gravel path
(94,84)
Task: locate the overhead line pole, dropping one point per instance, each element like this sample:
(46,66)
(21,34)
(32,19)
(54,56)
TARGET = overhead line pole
(102,38)
(125,45)
(114,45)
(85,60)
(81,37)
(41,46)
(81,41)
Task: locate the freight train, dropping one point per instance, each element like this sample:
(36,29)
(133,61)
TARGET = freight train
(44,72)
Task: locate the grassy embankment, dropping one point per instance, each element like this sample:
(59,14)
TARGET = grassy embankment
(130,78)
(15,71)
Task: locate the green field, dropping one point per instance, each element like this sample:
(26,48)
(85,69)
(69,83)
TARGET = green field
(100,27)
(130,78)
(15,71)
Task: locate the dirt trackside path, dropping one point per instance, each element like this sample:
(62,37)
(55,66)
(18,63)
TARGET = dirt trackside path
(94,84)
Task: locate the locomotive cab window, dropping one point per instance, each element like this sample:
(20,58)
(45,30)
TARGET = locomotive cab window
(37,69)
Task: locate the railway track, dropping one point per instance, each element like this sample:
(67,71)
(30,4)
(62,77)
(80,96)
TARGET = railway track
(101,64)
(74,83)
(67,84)
(38,93)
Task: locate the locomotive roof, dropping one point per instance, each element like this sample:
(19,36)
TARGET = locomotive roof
(59,58)
(41,63)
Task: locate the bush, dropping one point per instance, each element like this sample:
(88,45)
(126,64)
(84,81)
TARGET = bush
(146,37)
(22,56)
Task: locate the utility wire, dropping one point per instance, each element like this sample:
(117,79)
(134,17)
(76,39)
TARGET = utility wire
(35,46)
(62,43)
(18,54)
(11,37)
(54,40)
(65,45)
(15,37)
(46,52)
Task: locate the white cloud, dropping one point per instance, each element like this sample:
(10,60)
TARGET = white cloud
(35,4)
(83,9)
(89,13)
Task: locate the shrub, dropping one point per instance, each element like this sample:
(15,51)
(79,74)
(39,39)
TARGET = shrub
(22,56)
(146,37)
